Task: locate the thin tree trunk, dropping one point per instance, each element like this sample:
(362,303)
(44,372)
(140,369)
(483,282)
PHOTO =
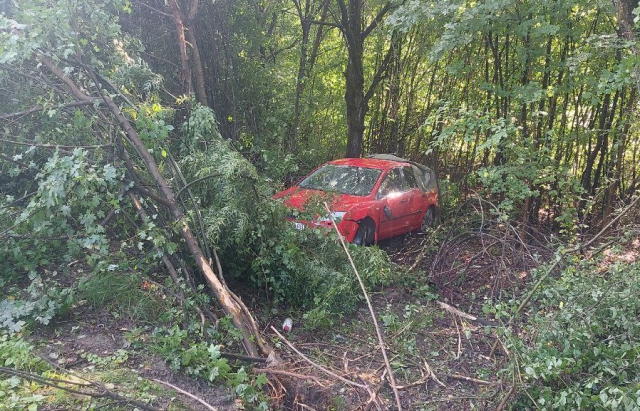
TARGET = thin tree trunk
(198,72)
(185,73)
(306,62)
(617,160)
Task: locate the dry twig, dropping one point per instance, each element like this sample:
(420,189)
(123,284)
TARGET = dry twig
(457,312)
(392,379)
(475,380)
(459,353)
(373,398)
(181,391)
(432,375)
(318,366)
(288,374)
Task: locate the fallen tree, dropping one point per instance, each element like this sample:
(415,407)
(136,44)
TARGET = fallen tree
(242,318)
(67,77)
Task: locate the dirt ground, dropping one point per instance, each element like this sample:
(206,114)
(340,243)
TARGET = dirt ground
(443,360)
(76,346)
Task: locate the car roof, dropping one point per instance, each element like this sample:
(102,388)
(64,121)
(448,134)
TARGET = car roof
(368,163)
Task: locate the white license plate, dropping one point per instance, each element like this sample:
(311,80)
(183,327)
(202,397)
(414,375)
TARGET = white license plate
(299,226)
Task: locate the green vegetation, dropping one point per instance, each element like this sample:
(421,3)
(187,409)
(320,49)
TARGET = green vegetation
(582,346)
(141,143)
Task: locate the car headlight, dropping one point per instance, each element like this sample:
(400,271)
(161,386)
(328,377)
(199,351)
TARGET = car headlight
(337,216)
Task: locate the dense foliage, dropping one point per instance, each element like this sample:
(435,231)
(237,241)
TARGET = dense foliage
(582,346)
(141,142)
(301,269)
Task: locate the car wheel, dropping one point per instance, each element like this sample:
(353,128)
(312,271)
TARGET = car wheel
(365,234)
(427,220)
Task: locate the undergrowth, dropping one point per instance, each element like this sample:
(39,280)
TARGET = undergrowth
(124,293)
(581,346)
(188,352)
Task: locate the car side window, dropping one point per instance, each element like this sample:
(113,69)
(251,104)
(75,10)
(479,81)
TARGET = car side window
(410,178)
(393,183)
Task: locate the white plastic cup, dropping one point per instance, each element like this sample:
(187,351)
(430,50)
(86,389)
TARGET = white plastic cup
(287,325)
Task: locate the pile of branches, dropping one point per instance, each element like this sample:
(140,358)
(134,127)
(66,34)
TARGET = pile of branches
(483,251)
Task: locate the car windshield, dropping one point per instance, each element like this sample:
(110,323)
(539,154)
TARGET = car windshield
(357,181)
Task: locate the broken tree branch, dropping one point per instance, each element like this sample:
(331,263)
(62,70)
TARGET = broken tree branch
(241,318)
(392,379)
(100,392)
(39,108)
(318,366)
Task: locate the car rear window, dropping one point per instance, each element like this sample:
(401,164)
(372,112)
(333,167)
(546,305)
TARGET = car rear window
(410,177)
(357,181)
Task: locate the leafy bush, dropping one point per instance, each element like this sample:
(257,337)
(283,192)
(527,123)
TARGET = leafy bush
(204,360)
(15,394)
(585,346)
(38,303)
(56,225)
(17,353)
(309,270)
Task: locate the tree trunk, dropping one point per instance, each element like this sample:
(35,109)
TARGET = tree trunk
(351,23)
(619,142)
(198,72)
(185,72)
(356,107)
(624,9)
(185,28)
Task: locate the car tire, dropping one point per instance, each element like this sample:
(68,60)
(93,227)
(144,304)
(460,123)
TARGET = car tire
(428,219)
(365,234)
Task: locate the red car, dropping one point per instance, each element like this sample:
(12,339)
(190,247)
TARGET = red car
(371,199)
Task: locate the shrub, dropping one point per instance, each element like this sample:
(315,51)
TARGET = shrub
(15,393)
(303,269)
(38,303)
(205,361)
(585,346)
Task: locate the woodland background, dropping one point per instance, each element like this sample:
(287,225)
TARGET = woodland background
(141,142)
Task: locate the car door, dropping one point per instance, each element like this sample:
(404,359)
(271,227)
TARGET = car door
(413,195)
(396,204)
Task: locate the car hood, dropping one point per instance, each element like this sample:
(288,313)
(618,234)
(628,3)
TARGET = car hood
(298,198)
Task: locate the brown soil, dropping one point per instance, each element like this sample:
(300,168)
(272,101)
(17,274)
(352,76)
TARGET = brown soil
(65,344)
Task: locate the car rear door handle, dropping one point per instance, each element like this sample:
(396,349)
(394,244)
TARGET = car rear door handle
(404,200)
